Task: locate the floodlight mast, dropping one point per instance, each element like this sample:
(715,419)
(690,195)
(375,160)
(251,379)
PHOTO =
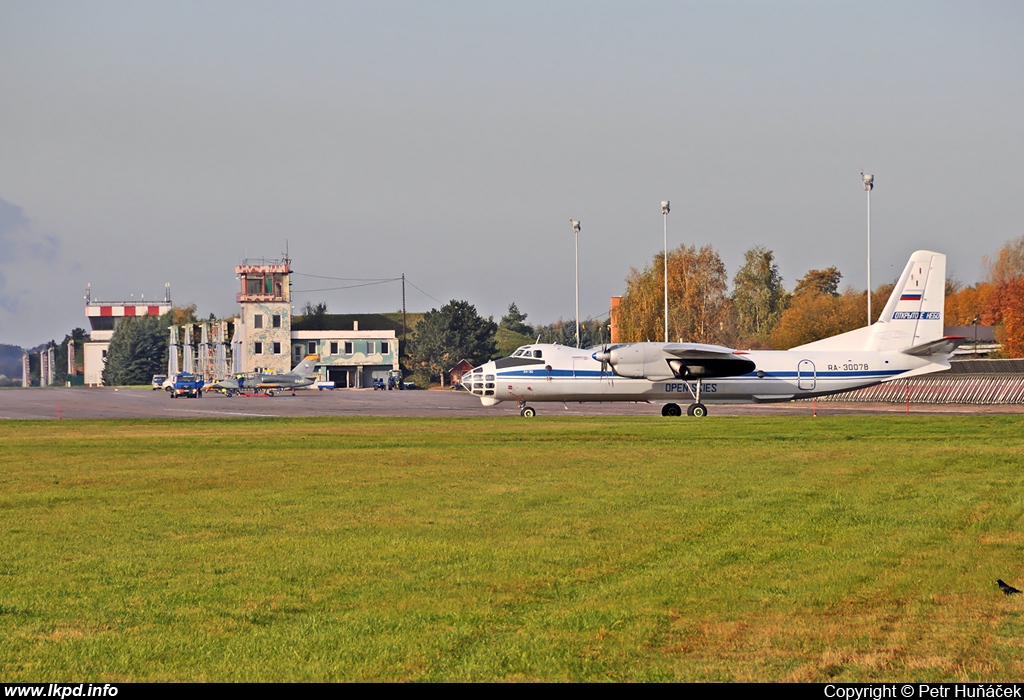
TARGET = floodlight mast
(576,231)
(869,184)
(664,212)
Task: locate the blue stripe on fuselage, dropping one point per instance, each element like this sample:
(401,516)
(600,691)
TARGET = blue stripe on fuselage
(597,374)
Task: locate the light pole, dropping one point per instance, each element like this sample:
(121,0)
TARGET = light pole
(576,231)
(664,213)
(869,183)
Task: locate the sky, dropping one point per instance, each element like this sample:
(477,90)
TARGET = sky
(144,143)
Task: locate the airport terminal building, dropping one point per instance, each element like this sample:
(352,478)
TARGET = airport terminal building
(353,349)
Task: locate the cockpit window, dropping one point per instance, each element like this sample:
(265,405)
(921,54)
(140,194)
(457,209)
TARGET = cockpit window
(538,353)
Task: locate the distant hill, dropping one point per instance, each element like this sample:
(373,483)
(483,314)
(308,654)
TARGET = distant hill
(10,360)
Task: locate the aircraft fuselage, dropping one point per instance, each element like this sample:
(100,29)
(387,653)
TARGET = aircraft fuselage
(572,374)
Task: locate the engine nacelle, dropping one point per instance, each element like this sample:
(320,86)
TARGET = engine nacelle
(652,361)
(641,361)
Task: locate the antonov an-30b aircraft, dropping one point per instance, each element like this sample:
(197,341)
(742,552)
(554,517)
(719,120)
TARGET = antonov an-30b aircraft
(906,341)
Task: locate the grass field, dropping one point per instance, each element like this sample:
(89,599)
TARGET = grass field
(799,549)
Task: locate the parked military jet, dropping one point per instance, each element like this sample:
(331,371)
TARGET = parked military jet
(906,341)
(304,374)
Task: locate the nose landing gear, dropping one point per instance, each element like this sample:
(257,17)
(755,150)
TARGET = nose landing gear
(526,411)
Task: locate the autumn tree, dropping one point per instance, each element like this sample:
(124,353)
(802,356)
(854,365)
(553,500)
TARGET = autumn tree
(697,301)
(821,281)
(1006,299)
(758,296)
(812,316)
(1009,263)
(966,304)
(817,310)
(183,315)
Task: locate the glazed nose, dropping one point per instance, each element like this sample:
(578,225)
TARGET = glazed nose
(480,382)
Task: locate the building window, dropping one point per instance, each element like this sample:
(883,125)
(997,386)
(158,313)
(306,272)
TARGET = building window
(276,320)
(277,348)
(384,348)
(257,321)
(311,347)
(348,347)
(370,347)
(257,348)
(297,350)
(334,347)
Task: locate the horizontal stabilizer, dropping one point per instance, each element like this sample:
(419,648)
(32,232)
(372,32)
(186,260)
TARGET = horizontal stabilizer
(942,346)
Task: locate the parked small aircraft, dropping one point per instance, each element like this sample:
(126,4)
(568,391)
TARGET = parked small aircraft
(269,383)
(906,341)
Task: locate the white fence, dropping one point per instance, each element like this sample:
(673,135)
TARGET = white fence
(979,382)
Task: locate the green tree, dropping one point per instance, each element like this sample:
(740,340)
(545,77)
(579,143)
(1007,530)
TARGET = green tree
(137,351)
(315,314)
(758,296)
(449,334)
(515,321)
(506,341)
(592,332)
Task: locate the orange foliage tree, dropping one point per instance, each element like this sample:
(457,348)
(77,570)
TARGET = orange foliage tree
(1005,299)
(965,305)
(698,307)
(813,316)
(1011,304)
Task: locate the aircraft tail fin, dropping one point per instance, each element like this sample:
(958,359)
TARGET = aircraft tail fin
(913,315)
(910,320)
(306,368)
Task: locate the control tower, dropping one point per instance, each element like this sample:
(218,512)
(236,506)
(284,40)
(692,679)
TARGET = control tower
(265,330)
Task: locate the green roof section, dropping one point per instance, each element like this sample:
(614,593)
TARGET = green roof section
(391,321)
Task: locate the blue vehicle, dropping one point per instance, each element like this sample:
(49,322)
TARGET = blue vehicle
(186,384)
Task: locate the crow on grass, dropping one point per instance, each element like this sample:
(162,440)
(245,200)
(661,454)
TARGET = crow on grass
(1006,588)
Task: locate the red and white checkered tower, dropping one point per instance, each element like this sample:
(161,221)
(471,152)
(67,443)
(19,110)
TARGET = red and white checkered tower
(103,317)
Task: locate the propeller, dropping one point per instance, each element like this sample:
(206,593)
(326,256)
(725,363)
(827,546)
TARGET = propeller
(604,357)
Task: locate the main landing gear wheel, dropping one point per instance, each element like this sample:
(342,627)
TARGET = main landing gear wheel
(671,410)
(528,412)
(697,410)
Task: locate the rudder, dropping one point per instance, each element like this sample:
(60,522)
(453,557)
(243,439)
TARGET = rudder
(914,313)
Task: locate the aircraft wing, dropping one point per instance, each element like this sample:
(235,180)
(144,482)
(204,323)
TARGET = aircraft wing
(657,361)
(699,360)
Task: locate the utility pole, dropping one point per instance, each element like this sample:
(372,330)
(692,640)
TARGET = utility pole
(869,184)
(403,307)
(664,212)
(576,230)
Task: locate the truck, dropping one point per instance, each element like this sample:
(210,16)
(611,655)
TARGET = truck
(186,384)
